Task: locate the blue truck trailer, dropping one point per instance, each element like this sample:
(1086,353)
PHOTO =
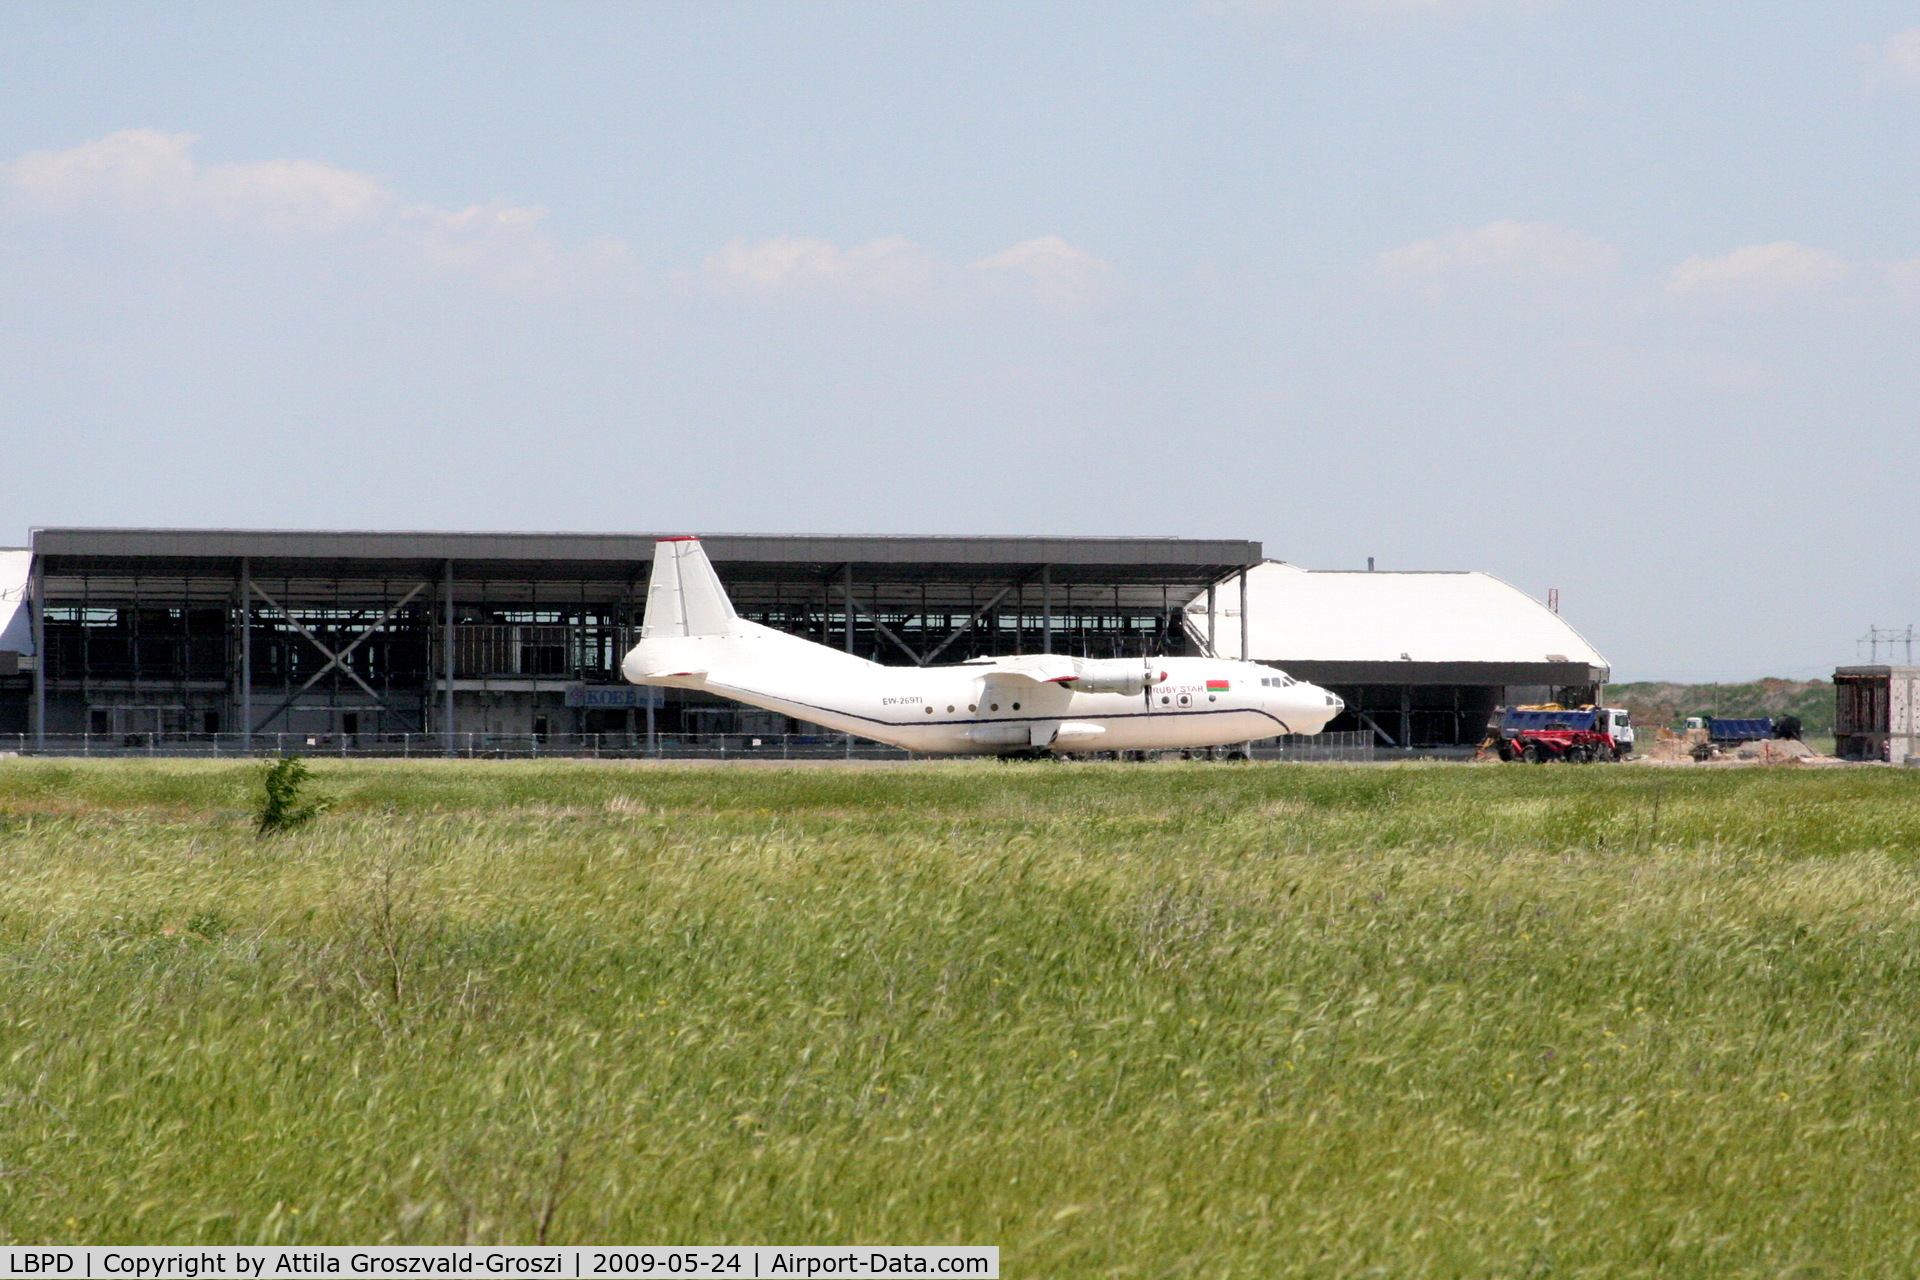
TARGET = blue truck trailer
(1731,731)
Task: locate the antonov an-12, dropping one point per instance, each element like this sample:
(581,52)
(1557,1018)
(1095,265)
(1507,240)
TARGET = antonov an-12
(693,639)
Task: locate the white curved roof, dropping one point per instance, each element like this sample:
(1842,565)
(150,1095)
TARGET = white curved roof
(16,616)
(1300,615)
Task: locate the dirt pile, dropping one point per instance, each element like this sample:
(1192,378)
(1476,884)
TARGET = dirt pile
(1692,747)
(1773,750)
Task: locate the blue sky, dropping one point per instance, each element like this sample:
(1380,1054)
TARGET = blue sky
(1618,298)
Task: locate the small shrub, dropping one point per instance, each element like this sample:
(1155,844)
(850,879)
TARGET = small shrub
(208,924)
(284,808)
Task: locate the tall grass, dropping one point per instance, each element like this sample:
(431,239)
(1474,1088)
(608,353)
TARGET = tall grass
(1197,1020)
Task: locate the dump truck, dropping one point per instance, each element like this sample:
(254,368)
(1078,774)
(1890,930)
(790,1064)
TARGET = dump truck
(1727,731)
(1571,735)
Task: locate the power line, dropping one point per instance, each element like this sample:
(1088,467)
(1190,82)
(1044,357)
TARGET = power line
(1888,636)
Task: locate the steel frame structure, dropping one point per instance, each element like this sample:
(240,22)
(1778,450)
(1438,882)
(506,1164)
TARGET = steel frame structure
(311,628)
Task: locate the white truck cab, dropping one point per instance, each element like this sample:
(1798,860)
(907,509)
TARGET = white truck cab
(1620,724)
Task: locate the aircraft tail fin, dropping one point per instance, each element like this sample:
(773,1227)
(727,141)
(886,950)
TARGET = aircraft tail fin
(691,628)
(684,596)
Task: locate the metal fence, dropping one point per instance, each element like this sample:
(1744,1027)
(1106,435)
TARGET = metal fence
(471,746)
(1356,746)
(606,746)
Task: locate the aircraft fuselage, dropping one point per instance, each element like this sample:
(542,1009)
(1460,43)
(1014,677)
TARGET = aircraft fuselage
(962,710)
(694,639)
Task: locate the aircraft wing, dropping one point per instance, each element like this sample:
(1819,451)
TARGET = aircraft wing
(1041,668)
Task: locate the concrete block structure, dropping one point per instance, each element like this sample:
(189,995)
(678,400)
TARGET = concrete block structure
(1874,713)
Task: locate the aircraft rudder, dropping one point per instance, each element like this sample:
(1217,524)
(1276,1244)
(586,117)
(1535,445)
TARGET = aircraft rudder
(684,594)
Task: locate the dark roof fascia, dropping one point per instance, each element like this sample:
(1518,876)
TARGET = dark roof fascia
(279,544)
(1432,673)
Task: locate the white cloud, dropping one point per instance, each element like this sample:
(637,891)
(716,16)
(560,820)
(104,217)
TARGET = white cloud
(1895,64)
(1046,268)
(787,264)
(1756,269)
(505,244)
(150,184)
(1053,269)
(145,179)
(143,173)
(1507,256)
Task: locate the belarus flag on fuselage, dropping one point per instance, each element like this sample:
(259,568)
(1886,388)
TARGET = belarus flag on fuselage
(1216,686)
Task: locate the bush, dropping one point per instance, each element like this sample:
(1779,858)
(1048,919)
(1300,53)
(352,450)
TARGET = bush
(283,808)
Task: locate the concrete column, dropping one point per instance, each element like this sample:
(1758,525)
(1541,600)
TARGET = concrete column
(39,603)
(1213,650)
(246,654)
(1245,646)
(1046,608)
(846,597)
(446,660)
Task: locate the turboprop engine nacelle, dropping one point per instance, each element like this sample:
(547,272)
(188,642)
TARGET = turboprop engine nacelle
(1115,675)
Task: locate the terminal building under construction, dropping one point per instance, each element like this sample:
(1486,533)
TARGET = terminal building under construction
(241,638)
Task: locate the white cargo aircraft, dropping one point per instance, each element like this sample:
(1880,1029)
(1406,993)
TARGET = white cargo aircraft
(692,639)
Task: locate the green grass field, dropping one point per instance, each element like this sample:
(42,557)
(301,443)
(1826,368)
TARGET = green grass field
(1145,1020)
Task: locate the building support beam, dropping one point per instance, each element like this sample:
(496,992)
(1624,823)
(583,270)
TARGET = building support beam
(854,606)
(1374,725)
(1245,622)
(446,650)
(971,622)
(39,592)
(1213,616)
(1046,608)
(334,659)
(846,590)
(246,654)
